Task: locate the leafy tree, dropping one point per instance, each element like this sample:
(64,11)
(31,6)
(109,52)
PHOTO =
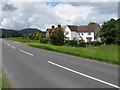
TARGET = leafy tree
(91,23)
(15,34)
(110,32)
(57,37)
(3,36)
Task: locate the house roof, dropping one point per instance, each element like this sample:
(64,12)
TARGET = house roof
(85,28)
(72,27)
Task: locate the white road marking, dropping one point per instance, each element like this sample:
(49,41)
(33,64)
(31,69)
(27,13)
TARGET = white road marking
(13,47)
(93,78)
(26,52)
(16,42)
(7,43)
(10,45)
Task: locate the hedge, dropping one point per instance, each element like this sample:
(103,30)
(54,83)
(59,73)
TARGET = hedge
(44,40)
(75,43)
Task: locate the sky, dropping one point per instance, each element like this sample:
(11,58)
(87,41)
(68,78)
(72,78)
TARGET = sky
(43,14)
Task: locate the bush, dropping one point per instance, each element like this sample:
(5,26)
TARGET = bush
(57,37)
(93,43)
(75,43)
(44,40)
(71,43)
(81,43)
(96,43)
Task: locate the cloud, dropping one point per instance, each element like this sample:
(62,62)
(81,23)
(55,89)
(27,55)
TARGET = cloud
(42,15)
(8,7)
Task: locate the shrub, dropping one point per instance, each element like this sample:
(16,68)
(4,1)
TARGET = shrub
(75,43)
(93,43)
(81,43)
(71,43)
(57,37)
(44,40)
(96,43)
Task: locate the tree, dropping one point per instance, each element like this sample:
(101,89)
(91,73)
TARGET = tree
(109,32)
(15,34)
(91,23)
(57,37)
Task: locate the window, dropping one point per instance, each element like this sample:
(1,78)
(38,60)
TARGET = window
(74,38)
(67,33)
(81,33)
(89,40)
(89,33)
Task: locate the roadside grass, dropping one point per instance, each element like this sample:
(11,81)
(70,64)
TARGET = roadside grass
(4,82)
(104,53)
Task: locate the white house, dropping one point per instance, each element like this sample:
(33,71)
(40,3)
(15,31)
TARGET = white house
(87,32)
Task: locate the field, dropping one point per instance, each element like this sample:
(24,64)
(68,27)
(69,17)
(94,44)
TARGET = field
(104,53)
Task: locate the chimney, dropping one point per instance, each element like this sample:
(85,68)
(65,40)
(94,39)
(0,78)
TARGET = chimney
(53,27)
(59,26)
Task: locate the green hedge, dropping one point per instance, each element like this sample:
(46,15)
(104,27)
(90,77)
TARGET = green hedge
(44,40)
(75,43)
(94,43)
(80,43)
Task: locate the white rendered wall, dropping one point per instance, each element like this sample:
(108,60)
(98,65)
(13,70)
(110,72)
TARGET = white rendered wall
(85,34)
(69,33)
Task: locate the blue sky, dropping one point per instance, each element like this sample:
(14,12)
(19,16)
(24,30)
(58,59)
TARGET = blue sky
(53,3)
(42,15)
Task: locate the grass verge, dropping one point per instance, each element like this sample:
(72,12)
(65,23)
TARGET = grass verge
(104,53)
(4,82)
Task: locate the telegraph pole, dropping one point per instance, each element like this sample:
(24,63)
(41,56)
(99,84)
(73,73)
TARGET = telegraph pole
(28,30)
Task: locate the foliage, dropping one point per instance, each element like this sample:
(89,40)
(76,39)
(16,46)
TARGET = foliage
(91,23)
(15,34)
(57,37)
(44,40)
(71,43)
(34,36)
(2,35)
(93,43)
(100,53)
(110,32)
(4,83)
(75,43)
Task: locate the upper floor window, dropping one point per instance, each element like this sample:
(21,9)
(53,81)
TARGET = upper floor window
(89,33)
(66,32)
(81,33)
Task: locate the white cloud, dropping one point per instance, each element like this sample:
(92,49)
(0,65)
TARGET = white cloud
(42,15)
(60,1)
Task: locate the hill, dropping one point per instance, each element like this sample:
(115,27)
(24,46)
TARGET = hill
(7,32)
(31,30)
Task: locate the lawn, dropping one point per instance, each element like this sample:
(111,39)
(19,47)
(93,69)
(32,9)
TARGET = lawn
(104,53)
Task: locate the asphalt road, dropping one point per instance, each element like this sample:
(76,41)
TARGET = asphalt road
(29,67)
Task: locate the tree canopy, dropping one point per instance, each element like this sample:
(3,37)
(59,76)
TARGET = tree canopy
(91,23)
(57,37)
(15,34)
(110,32)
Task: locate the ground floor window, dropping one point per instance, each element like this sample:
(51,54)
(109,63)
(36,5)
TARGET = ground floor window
(74,38)
(89,40)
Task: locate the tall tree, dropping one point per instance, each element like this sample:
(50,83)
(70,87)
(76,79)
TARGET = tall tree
(57,37)
(15,34)
(109,32)
(91,23)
